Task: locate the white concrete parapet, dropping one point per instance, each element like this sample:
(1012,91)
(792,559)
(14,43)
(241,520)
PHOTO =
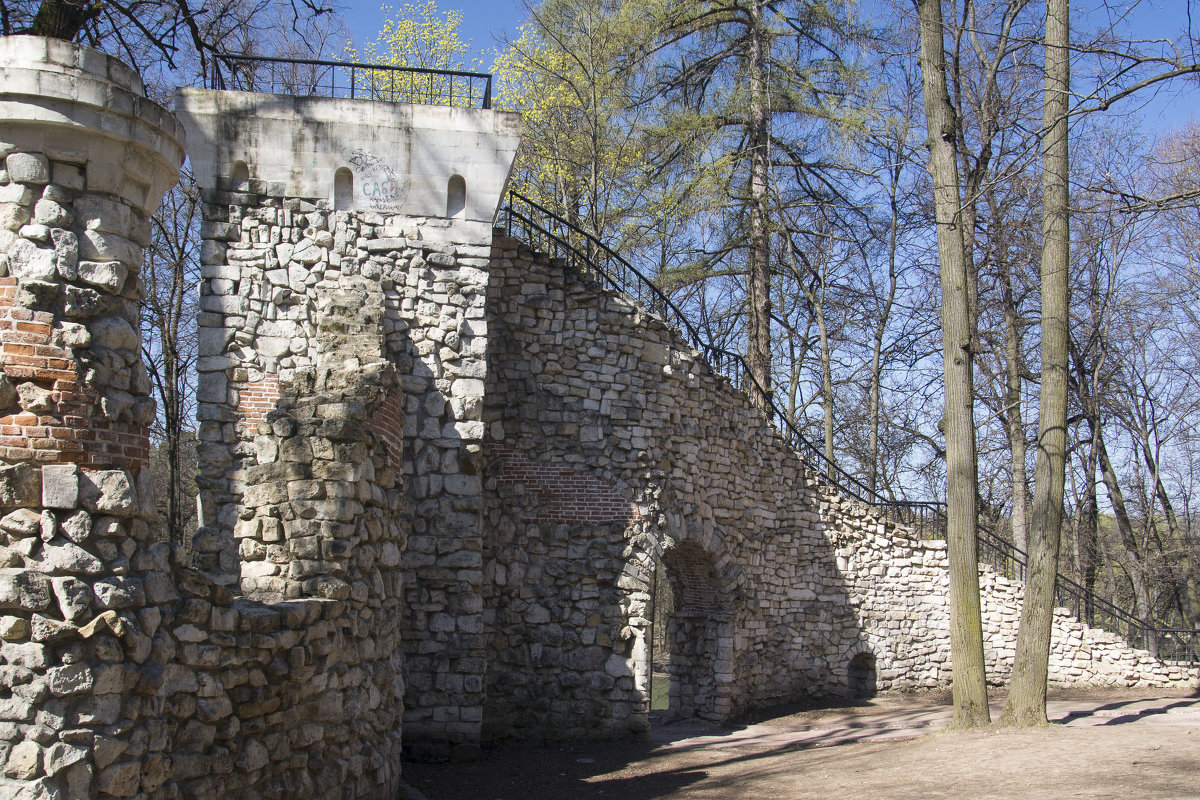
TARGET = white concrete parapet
(393,158)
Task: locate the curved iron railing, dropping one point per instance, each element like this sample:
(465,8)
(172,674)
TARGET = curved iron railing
(542,229)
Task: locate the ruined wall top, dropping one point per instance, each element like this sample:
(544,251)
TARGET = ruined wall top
(392,158)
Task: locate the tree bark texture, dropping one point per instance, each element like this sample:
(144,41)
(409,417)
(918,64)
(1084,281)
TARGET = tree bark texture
(1026,704)
(969,686)
(758,260)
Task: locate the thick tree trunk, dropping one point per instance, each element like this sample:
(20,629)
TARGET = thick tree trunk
(1026,704)
(969,685)
(63,19)
(758,345)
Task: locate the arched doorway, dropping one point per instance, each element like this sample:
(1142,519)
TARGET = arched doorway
(691,638)
(861,680)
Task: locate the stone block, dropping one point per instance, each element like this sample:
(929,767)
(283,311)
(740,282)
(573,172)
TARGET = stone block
(108,492)
(29,262)
(23,590)
(60,486)
(31,168)
(24,761)
(114,333)
(107,275)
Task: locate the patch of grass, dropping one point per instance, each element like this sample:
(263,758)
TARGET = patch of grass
(660,692)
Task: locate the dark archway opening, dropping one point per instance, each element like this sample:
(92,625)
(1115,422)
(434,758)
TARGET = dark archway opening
(860,677)
(689,635)
(239,176)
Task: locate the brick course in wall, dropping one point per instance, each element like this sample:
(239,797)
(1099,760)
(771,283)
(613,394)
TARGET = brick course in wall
(257,399)
(387,422)
(562,494)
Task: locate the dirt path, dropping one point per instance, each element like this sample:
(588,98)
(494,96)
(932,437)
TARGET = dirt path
(1142,744)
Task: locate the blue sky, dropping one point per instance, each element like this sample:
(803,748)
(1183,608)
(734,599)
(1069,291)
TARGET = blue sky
(485,21)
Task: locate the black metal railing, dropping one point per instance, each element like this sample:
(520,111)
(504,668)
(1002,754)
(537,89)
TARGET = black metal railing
(543,230)
(307,77)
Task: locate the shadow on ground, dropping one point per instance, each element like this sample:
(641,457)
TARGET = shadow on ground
(798,752)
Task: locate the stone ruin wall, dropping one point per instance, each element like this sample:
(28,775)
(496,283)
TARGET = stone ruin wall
(436,473)
(123,672)
(294,259)
(280,264)
(610,445)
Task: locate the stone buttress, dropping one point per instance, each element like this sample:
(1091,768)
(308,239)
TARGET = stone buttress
(363,249)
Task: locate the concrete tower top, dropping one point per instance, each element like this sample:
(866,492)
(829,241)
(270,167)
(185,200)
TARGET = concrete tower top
(393,158)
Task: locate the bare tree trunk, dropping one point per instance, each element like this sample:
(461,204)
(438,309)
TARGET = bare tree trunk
(969,685)
(1130,556)
(1087,543)
(826,360)
(1184,576)
(1013,416)
(1026,703)
(874,404)
(758,348)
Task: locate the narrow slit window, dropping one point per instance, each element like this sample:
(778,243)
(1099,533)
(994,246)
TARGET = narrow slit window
(456,196)
(343,189)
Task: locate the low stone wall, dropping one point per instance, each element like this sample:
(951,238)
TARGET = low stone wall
(901,587)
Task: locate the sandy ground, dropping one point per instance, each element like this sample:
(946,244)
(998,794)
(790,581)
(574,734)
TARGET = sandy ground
(1142,744)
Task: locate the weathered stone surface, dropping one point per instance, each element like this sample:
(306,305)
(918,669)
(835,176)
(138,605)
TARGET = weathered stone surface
(107,275)
(29,262)
(60,486)
(24,761)
(21,523)
(47,630)
(61,755)
(121,779)
(22,590)
(63,557)
(73,596)
(28,168)
(20,486)
(69,680)
(108,492)
(114,333)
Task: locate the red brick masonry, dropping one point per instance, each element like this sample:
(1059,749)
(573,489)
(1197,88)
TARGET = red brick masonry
(258,398)
(387,422)
(565,495)
(73,430)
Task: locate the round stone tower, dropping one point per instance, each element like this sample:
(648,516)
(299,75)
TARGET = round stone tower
(85,159)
